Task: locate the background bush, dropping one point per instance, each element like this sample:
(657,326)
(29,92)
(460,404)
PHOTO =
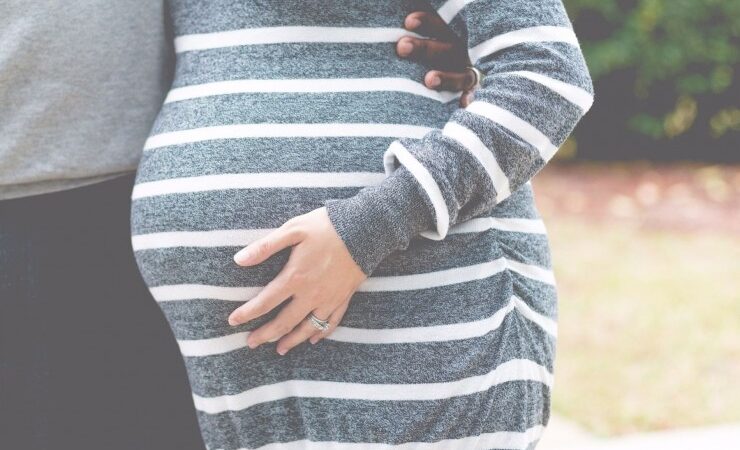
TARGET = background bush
(665,74)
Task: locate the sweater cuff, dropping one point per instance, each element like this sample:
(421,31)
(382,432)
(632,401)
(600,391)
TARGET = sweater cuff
(381,219)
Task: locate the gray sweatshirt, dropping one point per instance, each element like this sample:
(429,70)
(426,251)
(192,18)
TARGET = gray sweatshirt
(80,85)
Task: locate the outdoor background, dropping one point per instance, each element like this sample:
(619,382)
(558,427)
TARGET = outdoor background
(643,210)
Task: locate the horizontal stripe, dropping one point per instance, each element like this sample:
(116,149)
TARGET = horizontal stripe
(326,85)
(520,127)
(241,238)
(442,333)
(181,292)
(384,336)
(513,370)
(575,95)
(256,181)
(479,224)
(425,280)
(442,217)
(212,346)
(214,238)
(284,35)
(500,440)
(525,35)
(532,272)
(268,130)
(451,8)
(472,143)
(455,275)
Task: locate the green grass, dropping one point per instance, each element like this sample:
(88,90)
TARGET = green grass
(649,327)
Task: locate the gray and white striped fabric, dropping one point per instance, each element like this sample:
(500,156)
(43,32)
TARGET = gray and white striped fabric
(281,107)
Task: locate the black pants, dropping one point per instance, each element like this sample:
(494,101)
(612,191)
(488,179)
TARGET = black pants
(87,360)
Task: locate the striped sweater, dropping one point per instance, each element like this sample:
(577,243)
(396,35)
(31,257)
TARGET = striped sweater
(280,107)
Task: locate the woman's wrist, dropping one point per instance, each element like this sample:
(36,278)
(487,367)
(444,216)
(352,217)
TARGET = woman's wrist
(381,219)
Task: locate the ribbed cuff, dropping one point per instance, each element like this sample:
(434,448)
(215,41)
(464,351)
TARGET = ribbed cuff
(381,219)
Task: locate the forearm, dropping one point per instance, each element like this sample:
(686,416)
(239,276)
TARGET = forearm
(536,89)
(381,219)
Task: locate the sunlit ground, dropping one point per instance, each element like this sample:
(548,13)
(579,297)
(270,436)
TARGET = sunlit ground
(648,267)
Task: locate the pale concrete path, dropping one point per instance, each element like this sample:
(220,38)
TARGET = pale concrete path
(564,435)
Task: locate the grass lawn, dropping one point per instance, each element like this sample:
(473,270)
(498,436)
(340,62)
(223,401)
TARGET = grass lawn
(649,327)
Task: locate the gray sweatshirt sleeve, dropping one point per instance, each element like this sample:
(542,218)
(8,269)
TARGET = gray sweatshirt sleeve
(536,88)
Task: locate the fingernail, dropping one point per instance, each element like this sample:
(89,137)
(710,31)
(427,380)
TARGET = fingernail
(435,81)
(405,48)
(251,344)
(413,23)
(242,256)
(274,339)
(233,321)
(281,352)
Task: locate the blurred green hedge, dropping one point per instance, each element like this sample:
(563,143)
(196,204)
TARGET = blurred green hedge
(663,68)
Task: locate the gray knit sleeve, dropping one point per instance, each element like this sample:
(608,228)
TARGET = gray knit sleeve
(536,88)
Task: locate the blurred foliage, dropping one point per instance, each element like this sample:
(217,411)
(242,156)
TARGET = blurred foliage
(681,58)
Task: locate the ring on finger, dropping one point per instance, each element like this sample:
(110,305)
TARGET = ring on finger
(477,75)
(319,324)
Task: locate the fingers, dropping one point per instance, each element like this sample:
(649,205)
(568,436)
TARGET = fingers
(302,332)
(266,246)
(334,319)
(437,54)
(442,49)
(430,25)
(433,54)
(450,81)
(467,98)
(287,319)
(265,301)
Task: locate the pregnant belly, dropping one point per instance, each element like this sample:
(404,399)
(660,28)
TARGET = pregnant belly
(196,204)
(184,245)
(219,171)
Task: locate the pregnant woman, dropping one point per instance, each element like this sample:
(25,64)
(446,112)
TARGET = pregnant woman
(299,176)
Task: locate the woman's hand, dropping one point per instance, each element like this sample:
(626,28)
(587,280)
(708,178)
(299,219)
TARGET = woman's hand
(320,276)
(444,52)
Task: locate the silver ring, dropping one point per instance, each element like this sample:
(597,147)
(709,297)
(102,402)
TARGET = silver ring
(477,74)
(317,323)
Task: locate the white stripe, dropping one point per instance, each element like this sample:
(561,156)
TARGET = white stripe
(282,35)
(426,180)
(212,346)
(214,238)
(483,154)
(455,275)
(579,97)
(521,128)
(442,333)
(327,85)
(279,130)
(384,336)
(525,35)
(512,440)
(241,238)
(182,292)
(531,271)
(513,370)
(256,181)
(451,8)
(425,280)
(480,224)
(550,326)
